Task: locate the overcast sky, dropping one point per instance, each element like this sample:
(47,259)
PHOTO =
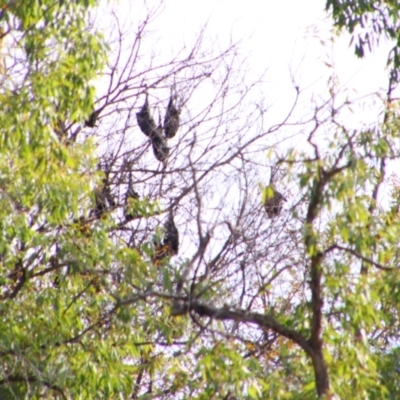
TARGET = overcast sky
(283,37)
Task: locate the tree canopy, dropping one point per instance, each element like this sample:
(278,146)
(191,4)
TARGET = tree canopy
(160,239)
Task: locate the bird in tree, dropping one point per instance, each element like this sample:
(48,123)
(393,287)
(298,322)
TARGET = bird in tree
(273,205)
(130,197)
(103,200)
(91,122)
(170,244)
(103,196)
(171,119)
(160,148)
(171,236)
(145,121)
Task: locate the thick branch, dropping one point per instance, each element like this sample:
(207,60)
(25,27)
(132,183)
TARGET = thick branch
(263,321)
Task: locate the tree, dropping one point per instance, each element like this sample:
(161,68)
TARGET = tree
(300,304)
(370,22)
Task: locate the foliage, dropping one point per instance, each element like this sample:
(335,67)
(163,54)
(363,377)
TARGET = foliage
(369,21)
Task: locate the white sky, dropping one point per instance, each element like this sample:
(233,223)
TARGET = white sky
(286,38)
(282,37)
(274,33)
(290,38)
